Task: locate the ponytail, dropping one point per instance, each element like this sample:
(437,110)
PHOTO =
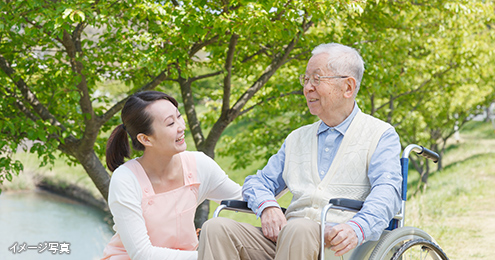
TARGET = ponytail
(117,148)
(135,120)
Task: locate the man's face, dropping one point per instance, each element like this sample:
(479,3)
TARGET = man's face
(326,98)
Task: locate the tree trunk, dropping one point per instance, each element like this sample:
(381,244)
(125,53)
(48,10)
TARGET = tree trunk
(425,173)
(96,171)
(439,163)
(441,152)
(418,166)
(203,209)
(202,213)
(488,116)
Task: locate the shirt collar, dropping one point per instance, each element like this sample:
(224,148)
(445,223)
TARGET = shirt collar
(342,127)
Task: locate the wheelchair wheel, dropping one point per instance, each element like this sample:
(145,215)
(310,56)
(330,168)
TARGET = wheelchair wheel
(419,249)
(390,243)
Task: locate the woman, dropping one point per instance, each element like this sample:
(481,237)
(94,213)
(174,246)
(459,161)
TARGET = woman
(153,198)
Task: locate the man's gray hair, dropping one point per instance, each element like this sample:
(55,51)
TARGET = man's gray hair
(343,61)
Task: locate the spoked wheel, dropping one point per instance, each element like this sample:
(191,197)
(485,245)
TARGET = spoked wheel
(420,249)
(390,244)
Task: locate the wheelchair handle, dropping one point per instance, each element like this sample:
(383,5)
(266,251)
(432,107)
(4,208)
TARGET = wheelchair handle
(425,152)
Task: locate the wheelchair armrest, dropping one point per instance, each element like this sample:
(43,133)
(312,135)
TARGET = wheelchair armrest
(339,203)
(235,205)
(240,205)
(346,204)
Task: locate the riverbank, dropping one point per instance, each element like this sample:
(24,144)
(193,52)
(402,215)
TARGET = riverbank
(71,182)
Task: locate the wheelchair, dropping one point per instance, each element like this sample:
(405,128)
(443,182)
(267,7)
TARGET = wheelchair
(398,242)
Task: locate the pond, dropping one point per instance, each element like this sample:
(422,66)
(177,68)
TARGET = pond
(41,225)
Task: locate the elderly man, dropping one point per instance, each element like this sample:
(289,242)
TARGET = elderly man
(346,154)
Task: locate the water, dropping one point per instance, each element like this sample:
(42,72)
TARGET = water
(38,217)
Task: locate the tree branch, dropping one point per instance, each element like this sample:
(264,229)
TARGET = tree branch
(281,12)
(295,92)
(263,49)
(72,44)
(421,86)
(226,118)
(276,63)
(296,56)
(119,105)
(414,108)
(72,49)
(227,80)
(200,77)
(22,107)
(199,45)
(41,28)
(29,96)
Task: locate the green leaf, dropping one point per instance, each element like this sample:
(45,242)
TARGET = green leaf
(8,176)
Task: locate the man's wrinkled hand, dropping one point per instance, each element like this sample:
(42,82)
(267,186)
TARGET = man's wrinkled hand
(272,221)
(340,238)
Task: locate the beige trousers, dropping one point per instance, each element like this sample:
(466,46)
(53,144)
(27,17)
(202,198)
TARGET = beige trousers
(226,239)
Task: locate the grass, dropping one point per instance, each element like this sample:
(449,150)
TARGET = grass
(458,207)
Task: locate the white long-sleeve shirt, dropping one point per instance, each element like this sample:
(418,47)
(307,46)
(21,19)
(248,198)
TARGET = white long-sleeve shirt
(125,197)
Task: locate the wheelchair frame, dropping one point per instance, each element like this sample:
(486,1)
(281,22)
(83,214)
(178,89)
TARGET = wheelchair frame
(395,241)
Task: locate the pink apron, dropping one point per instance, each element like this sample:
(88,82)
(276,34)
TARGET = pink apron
(169,216)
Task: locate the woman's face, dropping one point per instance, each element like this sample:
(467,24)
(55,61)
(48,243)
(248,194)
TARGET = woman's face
(168,128)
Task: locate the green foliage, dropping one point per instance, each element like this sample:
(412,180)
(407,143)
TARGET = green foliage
(427,64)
(59,60)
(280,109)
(428,67)
(66,68)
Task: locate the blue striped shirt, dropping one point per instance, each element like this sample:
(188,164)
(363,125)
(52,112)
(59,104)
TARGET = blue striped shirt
(380,206)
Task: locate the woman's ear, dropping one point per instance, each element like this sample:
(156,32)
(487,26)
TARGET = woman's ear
(144,139)
(349,87)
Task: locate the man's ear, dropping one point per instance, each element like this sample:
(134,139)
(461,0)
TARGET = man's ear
(349,87)
(144,139)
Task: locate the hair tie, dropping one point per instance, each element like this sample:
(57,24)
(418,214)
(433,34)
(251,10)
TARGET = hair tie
(125,129)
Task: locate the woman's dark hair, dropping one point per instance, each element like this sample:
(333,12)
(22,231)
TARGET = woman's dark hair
(135,120)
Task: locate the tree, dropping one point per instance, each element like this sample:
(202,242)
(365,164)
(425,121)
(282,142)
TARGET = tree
(56,56)
(428,67)
(432,55)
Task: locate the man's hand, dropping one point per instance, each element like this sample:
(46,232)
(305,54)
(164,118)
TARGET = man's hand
(272,221)
(340,238)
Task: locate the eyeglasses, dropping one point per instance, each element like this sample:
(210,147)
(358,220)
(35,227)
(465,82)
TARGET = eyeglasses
(315,79)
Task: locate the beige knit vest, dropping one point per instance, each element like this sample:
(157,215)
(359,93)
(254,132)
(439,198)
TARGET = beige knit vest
(348,173)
